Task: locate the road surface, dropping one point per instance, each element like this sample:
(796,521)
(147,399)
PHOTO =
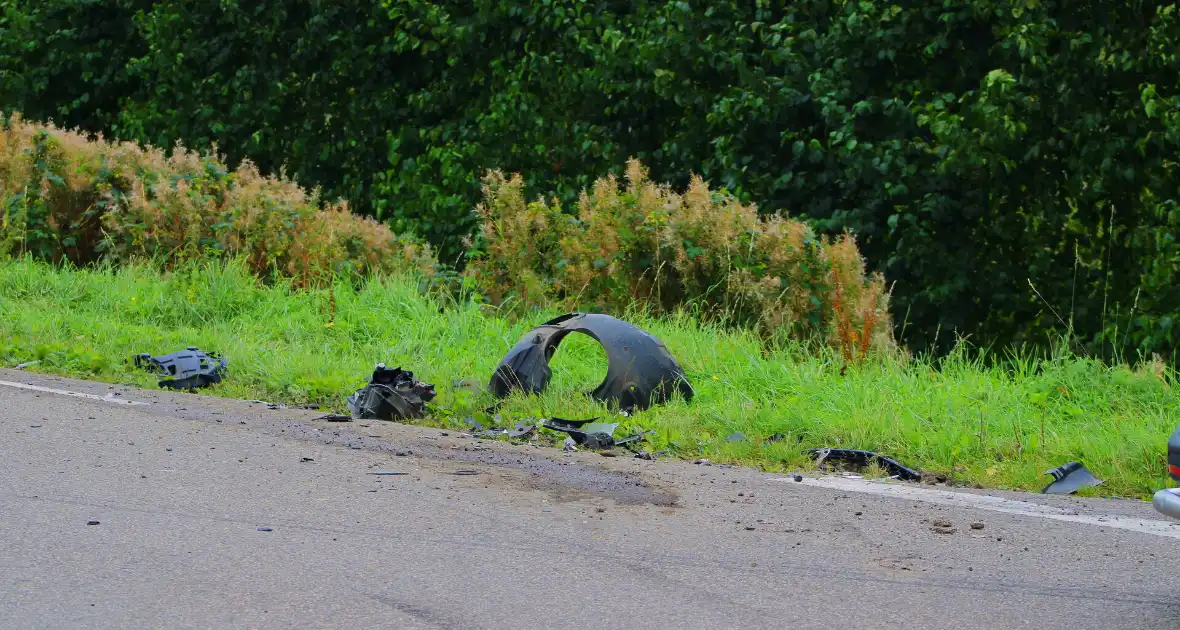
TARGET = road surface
(226,514)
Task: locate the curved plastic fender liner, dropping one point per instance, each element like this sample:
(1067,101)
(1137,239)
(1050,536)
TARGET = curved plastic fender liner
(640,370)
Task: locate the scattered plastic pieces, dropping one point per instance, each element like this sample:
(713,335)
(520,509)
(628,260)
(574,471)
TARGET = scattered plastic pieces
(1069,478)
(188,369)
(862,458)
(391,395)
(591,434)
(640,371)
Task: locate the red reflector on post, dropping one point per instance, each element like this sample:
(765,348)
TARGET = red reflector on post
(1174,470)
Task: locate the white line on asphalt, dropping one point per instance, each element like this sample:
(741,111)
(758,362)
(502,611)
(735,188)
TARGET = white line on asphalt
(109,398)
(1169,529)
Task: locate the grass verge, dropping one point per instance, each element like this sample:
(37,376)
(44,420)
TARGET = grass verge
(991,426)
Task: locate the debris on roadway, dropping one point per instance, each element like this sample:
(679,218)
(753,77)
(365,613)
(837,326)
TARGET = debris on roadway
(392,394)
(188,369)
(640,371)
(1069,478)
(859,458)
(591,434)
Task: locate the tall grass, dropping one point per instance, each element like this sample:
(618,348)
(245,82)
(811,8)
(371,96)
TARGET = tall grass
(997,424)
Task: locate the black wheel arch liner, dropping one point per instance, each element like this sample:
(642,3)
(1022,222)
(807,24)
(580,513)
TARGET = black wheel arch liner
(640,370)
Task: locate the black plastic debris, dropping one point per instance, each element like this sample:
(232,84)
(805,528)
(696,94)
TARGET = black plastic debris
(863,458)
(392,394)
(1069,478)
(640,371)
(335,417)
(523,429)
(191,368)
(591,434)
(476,425)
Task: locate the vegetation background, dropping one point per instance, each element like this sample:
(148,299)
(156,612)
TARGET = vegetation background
(1008,165)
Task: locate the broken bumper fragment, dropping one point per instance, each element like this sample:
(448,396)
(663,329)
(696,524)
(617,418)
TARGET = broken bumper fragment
(190,368)
(640,371)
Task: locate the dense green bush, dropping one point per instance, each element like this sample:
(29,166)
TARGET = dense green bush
(973,147)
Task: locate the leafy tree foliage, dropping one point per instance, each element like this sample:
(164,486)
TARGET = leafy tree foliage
(1009,164)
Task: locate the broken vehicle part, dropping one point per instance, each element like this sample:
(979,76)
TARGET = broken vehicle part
(390,395)
(1174,455)
(523,429)
(590,434)
(190,368)
(1167,502)
(640,371)
(862,458)
(1069,478)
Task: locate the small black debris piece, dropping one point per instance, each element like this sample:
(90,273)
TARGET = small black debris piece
(798,478)
(466,471)
(92,522)
(475,425)
(523,429)
(640,371)
(335,417)
(306,459)
(862,458)
(188,369)
(388,473)
(1069,478)
(391,395)
(265,529)
(777,437)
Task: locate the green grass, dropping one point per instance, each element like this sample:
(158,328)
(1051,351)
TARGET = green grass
(992,426)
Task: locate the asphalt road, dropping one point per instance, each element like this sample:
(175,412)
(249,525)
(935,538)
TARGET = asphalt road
(524,537)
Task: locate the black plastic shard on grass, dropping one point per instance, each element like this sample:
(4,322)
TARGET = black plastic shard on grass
(190,368)
(640,371)
(1069,478)
(860,458)
(392,394)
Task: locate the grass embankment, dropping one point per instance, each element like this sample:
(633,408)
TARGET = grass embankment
(978,425)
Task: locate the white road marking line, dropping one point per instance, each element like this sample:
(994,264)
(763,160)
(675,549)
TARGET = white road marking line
(1168,529)
(109,398)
